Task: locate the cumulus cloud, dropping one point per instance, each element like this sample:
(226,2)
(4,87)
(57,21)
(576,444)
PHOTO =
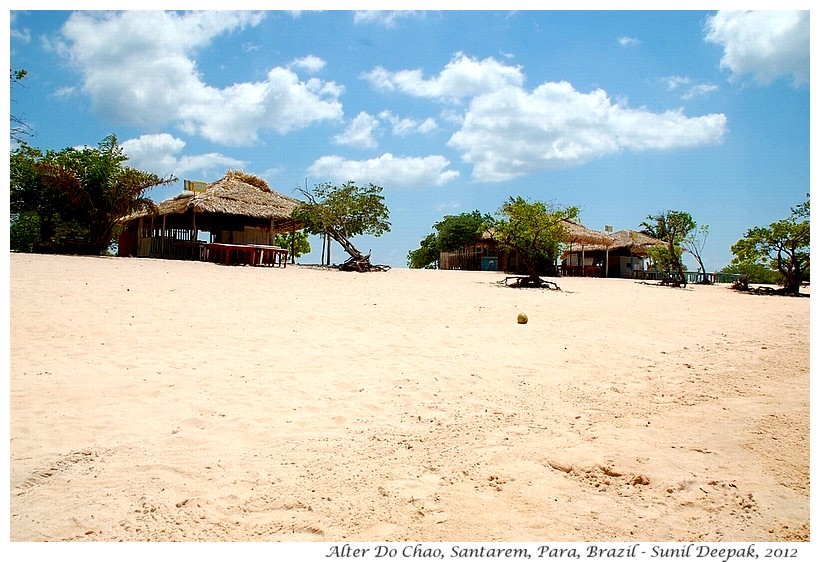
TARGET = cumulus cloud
(512,132)
(509,131)
(139,69)
(386,170)
(462,77)
(767,45)
(159,154)
(360,132)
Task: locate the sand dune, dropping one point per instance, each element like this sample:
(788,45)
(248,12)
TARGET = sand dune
(160,400)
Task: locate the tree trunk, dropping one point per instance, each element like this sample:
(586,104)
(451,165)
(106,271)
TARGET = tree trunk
(358,261)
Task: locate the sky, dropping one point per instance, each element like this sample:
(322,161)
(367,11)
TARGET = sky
(622,113)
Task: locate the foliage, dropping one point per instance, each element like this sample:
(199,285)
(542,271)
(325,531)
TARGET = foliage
(297,243)
(754,272)
(426,256)
(457,231)
(343,212)
(349,210)
(783,246)
(673,227)
(535,230)
(79,195)
(453,233)
(24,232)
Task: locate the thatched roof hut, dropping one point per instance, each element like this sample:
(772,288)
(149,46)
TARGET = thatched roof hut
(636,242)
(238,195)
(581,235)
(239,208)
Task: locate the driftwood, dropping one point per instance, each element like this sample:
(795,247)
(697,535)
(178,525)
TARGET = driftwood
(362,265)
(529,282)
(357,261)
(671,281)
(742,285)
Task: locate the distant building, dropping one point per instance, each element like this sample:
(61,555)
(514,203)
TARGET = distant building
(485,254)
(625,257)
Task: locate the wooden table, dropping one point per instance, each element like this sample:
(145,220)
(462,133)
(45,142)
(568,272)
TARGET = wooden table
(246,254)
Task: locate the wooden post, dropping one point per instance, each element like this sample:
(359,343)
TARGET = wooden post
(194,234)
(162,250)
(583,262)
(293,244)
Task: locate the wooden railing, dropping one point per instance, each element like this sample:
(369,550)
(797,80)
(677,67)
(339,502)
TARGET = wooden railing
(693,277)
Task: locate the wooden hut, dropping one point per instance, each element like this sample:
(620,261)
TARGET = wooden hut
(579,238)
(484,253)
(239,209)
(624,256)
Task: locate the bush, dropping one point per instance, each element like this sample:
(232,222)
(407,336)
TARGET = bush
(24,232)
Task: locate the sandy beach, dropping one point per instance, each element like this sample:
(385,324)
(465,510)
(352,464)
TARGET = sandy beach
(160,400)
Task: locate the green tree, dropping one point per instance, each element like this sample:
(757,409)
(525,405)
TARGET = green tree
(457,231)
(452,233)
(754,272)
(24,232)
(672,227)
(343,212)
(79,195)
(783,246)
(535,230)
(296,243)
(426,256)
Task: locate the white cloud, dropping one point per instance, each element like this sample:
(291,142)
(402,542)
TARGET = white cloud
(699,90)
(386,170)
(311,64)
(21,34)
(387,18)
(427,126)
(768,45)
(139,69)
(693,91)
(159,154)
(673,82)
(626,41)
(462,77)
(360,132)
(512,132)
(65,92)
(406,126)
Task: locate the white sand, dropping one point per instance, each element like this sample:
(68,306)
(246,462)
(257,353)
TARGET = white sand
(161,400)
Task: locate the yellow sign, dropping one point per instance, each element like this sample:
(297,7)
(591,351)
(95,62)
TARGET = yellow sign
(195,186)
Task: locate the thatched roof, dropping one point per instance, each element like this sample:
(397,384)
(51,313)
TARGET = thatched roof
(579,234)
(237,194)
(576,234)
(637,242)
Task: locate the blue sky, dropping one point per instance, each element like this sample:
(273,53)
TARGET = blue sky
(622,113)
